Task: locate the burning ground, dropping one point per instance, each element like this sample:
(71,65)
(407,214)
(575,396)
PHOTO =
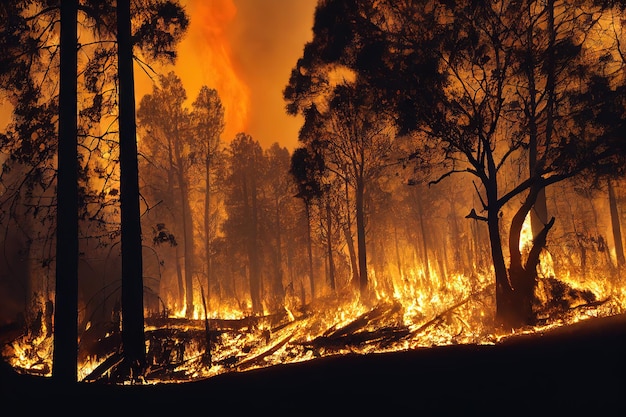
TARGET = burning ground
(572,370)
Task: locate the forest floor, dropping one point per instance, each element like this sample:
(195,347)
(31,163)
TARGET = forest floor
(579,369)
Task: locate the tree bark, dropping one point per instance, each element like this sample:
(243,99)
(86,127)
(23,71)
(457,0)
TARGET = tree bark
(360,234)
(253,252)
(133,339)
(278,293)
(207,228)
(616,227)
(187,219)
(307,206)
(329,247)
(503,286)
(65,353)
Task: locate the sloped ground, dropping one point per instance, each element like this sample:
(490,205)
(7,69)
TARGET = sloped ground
(575,370)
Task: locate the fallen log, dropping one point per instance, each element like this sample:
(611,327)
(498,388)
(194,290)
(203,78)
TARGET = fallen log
(382,337)
(365,319)
(256,360)
(107,366)
(441,316)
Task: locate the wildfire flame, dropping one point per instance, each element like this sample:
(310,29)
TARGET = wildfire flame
(206,58)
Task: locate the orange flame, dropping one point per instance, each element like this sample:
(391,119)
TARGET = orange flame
(206,58)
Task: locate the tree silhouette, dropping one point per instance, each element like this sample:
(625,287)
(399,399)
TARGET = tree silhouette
(133,340)
(65,354)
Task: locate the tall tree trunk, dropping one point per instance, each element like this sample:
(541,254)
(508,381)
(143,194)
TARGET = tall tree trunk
(360,234)
(207,229)
(539,213)
(278,291)
(187,219)
(424,236)
(347,231)
(307,206)
(615,226)
(179,279)
(329,247)
(539,217)
(133,339)
(397,247)
(65,353)
(188,250)
(253,252)
(503,287)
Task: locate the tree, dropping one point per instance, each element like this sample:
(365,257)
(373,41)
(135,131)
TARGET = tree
(133,340)
(243,181)
(454,75)
(306,168)
(65,355)
(355,142)
(279,191)
(32,53)
(168,124)
(207,118)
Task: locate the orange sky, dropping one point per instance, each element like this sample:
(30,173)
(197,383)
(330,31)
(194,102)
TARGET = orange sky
(245,49)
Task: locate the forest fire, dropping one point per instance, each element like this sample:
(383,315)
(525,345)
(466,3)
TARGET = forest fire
(456,193)
(405,314)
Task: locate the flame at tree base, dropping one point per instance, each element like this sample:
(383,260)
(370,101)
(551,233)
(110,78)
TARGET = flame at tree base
(403,314)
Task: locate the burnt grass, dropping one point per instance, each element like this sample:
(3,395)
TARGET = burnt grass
(579,369)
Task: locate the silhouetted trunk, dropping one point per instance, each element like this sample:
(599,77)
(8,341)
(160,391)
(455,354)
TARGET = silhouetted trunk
(187,225)
(179,279)
(65,354)
(347,232)
(329,247)
(523,272)
(503,288)
(397,247)
(539,213)
(615,226)
(278,291)
(360,234)
(253,251)
(207,229)
(309,243)
(425,258)
(133,340)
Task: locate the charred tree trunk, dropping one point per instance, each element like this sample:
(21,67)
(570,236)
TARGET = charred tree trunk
(187,219)
(539,212)
(207,229)
(179,279)
(65,354)
(503,286)
(347,232)
(616,227)
(252,245)
(397,250)
(133,339)
(360,227)
(351,253)
(523,273)
(424,237)
(278,291)
(307,207)
(329,247)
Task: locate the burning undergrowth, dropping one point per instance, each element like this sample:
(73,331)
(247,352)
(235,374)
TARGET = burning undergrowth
(180,349)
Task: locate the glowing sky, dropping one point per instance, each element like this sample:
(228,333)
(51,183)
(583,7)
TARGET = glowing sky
(245,49)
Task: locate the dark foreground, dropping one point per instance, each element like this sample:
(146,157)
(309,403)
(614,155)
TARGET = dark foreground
(577,370)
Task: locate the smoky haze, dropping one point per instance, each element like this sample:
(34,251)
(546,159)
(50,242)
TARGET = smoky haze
(245,49)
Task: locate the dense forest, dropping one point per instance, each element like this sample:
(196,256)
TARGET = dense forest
(449,150)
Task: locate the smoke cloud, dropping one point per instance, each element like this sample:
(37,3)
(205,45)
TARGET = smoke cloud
(245,49)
